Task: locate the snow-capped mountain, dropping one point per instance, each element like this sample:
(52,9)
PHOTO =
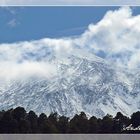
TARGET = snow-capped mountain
(97,72)
(82,82)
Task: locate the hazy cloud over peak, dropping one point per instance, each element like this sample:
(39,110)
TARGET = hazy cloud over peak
(114,38)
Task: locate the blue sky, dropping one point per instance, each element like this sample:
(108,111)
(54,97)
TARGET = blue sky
(29,23)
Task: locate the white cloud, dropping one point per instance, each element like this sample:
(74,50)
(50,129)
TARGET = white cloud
(11,70)
(13,23)
(114,38)
(13,18)
(25,59)
(69,2)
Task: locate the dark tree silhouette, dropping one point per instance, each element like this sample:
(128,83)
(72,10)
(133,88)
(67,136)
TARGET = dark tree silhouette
(45,125)
(135,119)
(19,121)
(24,126)
(19,113)
(93,125)
(63,124)
(8,124)
(79,124)
(123,120)
(32,118)
(107,124)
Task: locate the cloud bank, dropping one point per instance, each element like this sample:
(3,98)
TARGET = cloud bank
(114,38)
(69,2)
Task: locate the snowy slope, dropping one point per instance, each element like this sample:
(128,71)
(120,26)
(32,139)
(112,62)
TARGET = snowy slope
(83,82)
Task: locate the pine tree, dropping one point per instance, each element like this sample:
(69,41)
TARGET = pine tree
(93,125)
(19,113)
(135,119)
(107,124)
(8,124)
(32,118)
(63,124)
(79,124)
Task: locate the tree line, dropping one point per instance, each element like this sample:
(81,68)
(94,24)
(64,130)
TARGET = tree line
(19,121)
